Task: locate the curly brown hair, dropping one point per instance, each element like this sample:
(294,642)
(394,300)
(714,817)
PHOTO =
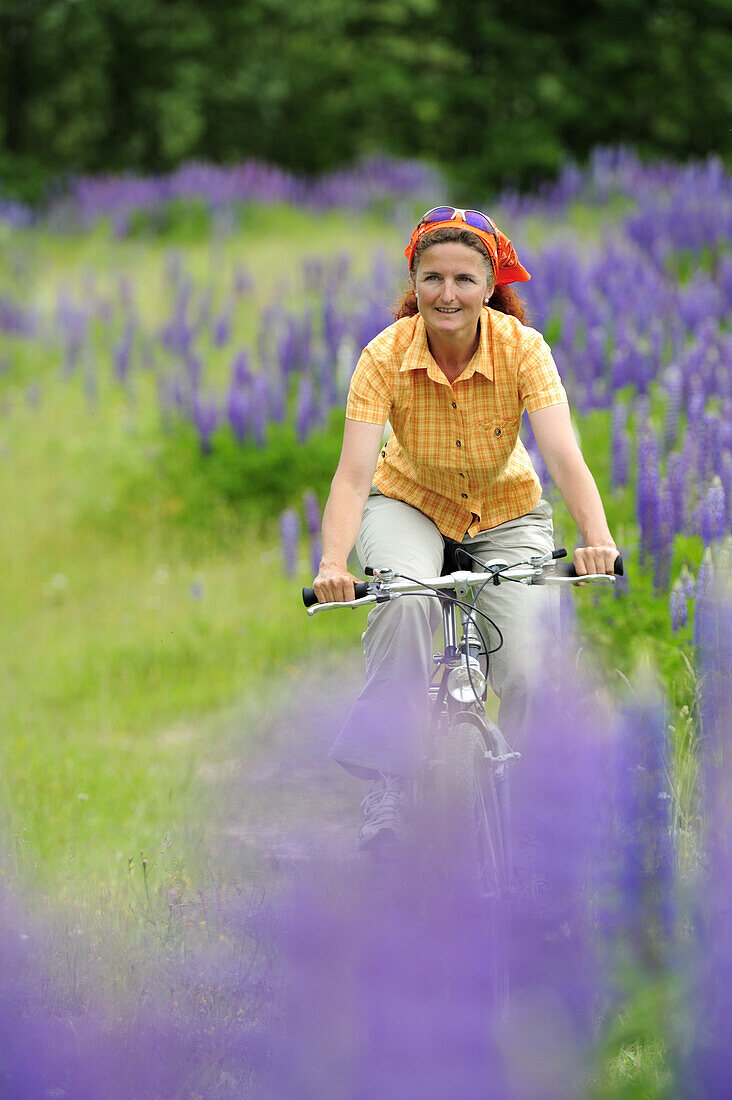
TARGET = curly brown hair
(504,298)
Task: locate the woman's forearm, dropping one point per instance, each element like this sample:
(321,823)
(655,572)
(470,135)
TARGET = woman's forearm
(341,521)
(576,484)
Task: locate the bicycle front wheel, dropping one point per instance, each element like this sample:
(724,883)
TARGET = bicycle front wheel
(473,821)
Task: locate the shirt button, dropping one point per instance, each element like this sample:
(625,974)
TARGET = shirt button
(497,431)
(454,405)
(462,475)
(458,443)
(464,496)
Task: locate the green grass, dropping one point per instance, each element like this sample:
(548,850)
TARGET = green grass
(127,620)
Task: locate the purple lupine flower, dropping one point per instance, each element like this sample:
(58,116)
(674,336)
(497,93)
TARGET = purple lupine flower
(708,1066)
(678,607)
(661,538)
(620,374)
(676,483)
(277,399)
(237,411)
(725,474)
(709,446)
(647,490)
(714,513)
(570,320)
(333,325)
(290,535)
(240,372)
(287,349)
(620,463)
(645,903)
(312,524)
(222,328)
(374,318)
(122,354)
(696,401)
(312,512)
(686,581)
(705,607)
(305,408)
(15,318)
(258,408)
(205,418)
(674,386)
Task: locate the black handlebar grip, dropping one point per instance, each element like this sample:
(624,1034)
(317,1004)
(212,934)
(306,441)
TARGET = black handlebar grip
(567,569)
(309,598)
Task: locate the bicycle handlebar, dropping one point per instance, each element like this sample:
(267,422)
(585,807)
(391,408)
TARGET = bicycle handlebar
(366,592)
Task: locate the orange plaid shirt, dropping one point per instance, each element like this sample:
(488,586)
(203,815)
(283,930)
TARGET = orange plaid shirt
(455,451)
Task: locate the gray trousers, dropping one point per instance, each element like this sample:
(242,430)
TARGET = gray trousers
(384,730)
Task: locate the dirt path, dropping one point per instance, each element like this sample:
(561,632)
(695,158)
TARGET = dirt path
(283,804)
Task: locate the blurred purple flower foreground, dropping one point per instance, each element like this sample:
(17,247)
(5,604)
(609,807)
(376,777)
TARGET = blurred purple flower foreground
(364,979)
(157,1049)
(401,986)
(708,1024)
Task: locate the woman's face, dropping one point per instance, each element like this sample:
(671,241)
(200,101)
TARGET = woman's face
(451,284)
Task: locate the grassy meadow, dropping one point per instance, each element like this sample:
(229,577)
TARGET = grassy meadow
(149,626)
(137,602)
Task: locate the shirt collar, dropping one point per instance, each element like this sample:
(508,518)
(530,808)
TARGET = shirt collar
(419,357)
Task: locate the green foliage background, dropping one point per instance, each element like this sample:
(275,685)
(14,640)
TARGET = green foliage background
(499,94)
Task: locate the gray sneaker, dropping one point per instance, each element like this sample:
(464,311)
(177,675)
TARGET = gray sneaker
(383,809)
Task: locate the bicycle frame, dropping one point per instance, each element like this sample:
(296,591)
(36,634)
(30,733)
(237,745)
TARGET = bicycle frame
(479,780)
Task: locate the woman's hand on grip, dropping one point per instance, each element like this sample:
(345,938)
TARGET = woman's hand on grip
(334,584)
(595,559)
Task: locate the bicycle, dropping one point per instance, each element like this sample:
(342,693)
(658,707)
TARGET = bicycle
(463,786)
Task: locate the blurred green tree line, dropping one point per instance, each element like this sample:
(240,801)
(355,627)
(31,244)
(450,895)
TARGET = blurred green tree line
(498,93)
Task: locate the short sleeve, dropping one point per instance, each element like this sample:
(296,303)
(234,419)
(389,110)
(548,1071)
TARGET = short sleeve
(539,384)
(370,392)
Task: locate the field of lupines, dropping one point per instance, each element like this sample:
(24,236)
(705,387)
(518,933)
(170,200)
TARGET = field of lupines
(175,356)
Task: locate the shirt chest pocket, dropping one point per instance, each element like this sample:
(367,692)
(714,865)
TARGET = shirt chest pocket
(429,441)
(494,441)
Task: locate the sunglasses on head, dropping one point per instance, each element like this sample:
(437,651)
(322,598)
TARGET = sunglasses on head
(476,218)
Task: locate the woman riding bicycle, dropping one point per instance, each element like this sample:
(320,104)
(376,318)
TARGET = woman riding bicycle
(452,376)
